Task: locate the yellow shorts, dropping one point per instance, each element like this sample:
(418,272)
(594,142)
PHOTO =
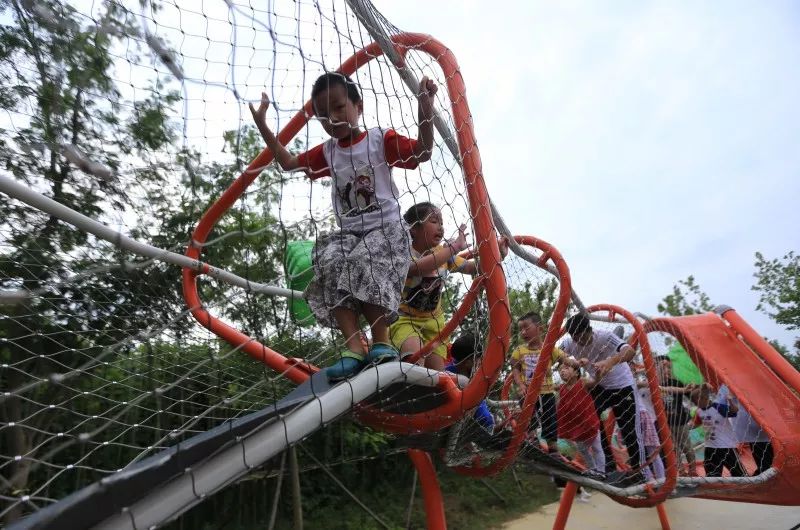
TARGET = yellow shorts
(426,328)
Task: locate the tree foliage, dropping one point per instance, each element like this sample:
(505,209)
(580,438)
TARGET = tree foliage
(58,89)
(686,299)
(540,298)
(778,285)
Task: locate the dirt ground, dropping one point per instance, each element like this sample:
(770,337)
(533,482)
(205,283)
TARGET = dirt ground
(602,513)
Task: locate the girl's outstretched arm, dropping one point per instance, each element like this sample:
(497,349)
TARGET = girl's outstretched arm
(285,159)
(424,146)
(439,255)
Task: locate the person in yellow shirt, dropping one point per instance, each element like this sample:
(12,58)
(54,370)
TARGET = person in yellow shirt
(524,359)
(420,314)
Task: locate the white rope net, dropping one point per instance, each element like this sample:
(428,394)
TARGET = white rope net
(134,114)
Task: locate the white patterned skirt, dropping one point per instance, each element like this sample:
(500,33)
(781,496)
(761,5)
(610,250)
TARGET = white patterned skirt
(353,268)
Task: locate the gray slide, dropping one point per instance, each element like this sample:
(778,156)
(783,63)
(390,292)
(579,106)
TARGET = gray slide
(163,486)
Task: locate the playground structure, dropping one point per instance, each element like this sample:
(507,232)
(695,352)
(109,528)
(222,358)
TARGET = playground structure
(428,409)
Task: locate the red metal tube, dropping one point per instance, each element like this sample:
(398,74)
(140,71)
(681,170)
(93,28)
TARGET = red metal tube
(431,493)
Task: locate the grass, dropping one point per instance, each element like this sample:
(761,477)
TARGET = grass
(384,485)
(470,503)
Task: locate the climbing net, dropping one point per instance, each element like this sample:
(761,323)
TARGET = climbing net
(134,115)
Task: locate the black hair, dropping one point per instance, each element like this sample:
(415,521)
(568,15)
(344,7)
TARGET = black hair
(577,324)
(533,316)
(663,358)
(464,347)
(418,213)
(329,79)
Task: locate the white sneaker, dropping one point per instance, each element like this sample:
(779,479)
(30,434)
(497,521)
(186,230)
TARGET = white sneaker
(584,496)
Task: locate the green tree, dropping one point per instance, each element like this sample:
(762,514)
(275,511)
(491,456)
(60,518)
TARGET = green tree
(56,81)
(775,283)
(778,285)
(686,299)
(540,298)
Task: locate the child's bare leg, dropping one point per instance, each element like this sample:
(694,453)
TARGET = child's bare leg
(412,345)
(381,350)
(376,317)
(352,361)
(348,324)
(434,362)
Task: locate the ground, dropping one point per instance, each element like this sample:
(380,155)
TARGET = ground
(684,514)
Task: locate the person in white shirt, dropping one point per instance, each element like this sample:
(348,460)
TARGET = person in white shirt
(720,451)
(748,431)
(605,356)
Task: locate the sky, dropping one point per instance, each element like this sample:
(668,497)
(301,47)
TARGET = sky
(654,140)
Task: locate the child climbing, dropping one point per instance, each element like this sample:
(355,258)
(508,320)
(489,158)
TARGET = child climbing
(524,359)
(432,259)
(359,269)
(650,440)
(720,451)
(577,419)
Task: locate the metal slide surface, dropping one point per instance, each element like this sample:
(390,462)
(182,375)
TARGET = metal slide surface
(165,485)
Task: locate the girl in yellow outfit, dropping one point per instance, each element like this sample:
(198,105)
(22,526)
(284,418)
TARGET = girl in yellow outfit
(421,316)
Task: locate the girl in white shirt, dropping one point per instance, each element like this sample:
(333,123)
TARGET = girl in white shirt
(720,451)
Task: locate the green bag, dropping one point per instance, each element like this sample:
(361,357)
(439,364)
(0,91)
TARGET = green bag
(299,273)
(683,369)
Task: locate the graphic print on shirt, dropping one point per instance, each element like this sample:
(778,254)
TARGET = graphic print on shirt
(710,425)
(356,192)
(425,295)
(530,361)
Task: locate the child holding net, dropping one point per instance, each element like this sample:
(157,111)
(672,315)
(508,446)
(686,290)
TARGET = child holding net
(359,270)
(577,418)
(421,316)
(720,450)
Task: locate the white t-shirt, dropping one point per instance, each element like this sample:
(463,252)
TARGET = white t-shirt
(719,432)
(363,193)
(744,426)
(602,346)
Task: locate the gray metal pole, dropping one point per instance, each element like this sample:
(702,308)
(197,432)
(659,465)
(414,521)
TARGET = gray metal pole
(297,501)
(277,497)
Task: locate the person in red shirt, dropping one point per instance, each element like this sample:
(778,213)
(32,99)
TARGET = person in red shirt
(577,418)
(360,269)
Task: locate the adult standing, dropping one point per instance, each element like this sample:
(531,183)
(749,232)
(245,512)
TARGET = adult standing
(605,356)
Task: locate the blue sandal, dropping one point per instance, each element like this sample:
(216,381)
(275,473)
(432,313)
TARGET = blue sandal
(381,353)
(348,366)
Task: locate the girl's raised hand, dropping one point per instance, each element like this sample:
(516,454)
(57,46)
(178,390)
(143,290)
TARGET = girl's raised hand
(260,114)
(503,244)
(460,242)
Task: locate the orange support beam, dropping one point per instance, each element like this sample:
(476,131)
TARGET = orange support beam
(431,493)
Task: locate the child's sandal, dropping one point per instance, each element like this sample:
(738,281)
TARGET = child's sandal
(348,366)
(381,353)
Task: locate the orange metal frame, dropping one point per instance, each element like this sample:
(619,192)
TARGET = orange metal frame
(728,351)
(434,504)
(640,337)
(492,281)
(549,253)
